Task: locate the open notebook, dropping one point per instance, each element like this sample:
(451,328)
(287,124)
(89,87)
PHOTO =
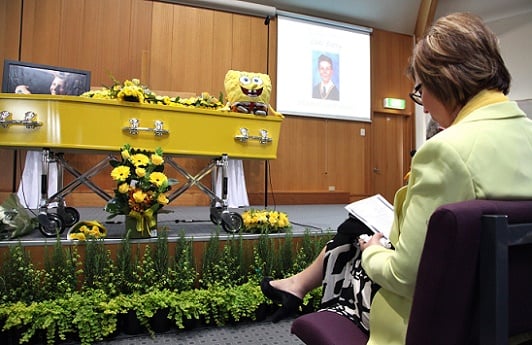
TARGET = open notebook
(375,212)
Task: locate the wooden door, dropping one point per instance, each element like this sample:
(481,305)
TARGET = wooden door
(390,153)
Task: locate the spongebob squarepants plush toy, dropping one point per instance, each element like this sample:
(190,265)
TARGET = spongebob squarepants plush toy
(249,92)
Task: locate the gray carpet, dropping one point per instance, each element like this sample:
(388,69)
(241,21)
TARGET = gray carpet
(256,333)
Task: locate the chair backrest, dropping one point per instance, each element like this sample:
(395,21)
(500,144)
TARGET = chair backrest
(454,303)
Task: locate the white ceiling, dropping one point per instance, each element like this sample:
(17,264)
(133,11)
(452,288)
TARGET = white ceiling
(397,15)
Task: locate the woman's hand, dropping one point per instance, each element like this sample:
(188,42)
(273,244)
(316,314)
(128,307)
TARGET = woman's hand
(373,240)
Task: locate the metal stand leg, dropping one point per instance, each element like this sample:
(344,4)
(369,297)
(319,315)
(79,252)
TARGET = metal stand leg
(53,223)
(230,221)
(50,224)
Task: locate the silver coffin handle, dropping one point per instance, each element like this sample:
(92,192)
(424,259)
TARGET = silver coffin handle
(30,120)
(244,136)
(134,128)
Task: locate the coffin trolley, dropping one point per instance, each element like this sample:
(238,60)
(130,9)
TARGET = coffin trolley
(57,124)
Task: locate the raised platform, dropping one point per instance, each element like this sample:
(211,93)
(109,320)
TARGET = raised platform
(195,223)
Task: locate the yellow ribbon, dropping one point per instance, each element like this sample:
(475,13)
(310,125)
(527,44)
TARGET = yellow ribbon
(146,220)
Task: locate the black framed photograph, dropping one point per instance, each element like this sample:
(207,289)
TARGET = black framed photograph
(30,78)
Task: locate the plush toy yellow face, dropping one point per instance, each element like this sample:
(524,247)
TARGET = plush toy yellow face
(247,87)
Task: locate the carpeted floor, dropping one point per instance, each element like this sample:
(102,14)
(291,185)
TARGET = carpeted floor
(252,333)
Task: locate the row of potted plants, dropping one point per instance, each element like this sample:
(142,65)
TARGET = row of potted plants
(92,299)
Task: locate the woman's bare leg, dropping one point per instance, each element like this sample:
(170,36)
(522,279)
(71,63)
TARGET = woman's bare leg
(301,283)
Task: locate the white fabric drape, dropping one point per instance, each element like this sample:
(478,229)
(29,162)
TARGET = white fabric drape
(29,189)
(237,195)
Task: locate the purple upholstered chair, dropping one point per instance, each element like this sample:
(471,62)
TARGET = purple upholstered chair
(463,294)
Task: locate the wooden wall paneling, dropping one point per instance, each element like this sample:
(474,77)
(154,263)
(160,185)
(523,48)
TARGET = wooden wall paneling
(140,38)
(193,50)
(8,182)
(40,31)
(222,51)
(250,45)
(10,17)
(64,33)
(347,159)
(390,53)
(71,35)
(301,163)
(163,69)
(191,54)
(107,42)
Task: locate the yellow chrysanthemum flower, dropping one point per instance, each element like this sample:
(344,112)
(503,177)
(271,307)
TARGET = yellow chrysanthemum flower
(156,159)
(120,173)
(141,172)
(139,159)
(124,154)
(123,188)
(139,196)
(78,236)
(162,199)
(158,179)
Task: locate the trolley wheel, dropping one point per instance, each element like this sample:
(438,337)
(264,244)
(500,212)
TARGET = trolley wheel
(232,222)
(54,226)
(70,216)
(215,215)
(215,219)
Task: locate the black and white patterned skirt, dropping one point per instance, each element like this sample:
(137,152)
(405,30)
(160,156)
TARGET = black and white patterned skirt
(347,290)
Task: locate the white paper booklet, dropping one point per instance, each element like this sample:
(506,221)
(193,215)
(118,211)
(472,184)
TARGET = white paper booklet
(375,211)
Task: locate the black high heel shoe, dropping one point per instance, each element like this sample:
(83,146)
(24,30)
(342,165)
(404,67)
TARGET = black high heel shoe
(289,302)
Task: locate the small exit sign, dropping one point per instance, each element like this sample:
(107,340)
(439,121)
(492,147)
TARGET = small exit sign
(395,103)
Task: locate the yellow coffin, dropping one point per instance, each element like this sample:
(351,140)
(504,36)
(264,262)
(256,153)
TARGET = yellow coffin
(64,123)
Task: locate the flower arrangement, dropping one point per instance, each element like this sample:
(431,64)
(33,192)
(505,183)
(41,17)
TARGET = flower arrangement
(265,221)
(15,221)
(134,91)
(141,186)
(87,230)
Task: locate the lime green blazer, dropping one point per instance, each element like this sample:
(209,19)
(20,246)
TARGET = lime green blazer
(487,155)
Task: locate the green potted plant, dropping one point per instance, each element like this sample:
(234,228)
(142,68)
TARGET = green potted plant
(182,274)
(94,314)
(212,267)
(245,302)
(155,308)
(19,279)
(216,299)
(99,267)
(263,258)
(285,257)
(188,308)
(61,270)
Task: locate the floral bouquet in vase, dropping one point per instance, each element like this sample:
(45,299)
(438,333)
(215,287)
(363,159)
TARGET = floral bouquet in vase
(141,188)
